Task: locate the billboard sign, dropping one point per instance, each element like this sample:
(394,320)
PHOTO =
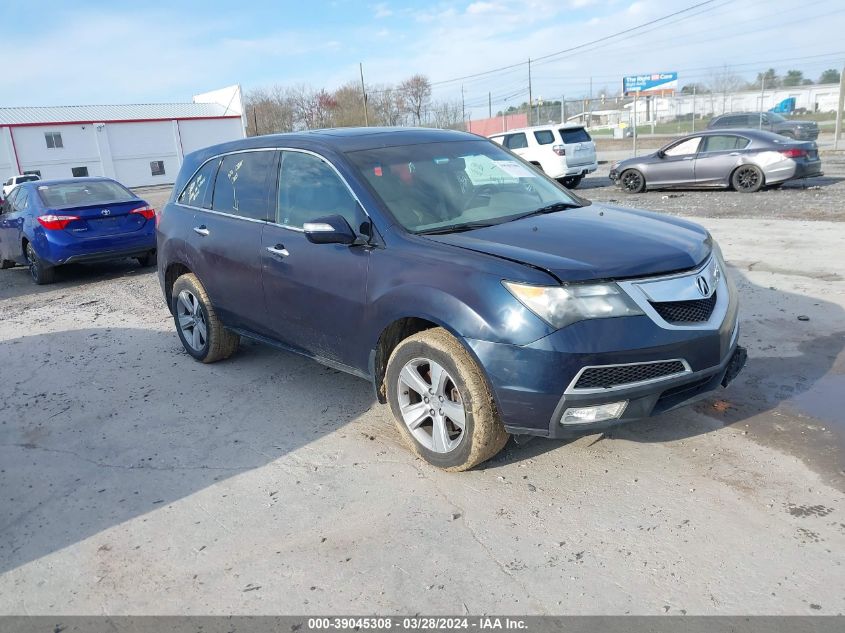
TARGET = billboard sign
(655,83)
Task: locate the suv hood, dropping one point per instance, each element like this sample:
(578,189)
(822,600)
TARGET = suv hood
(592,242)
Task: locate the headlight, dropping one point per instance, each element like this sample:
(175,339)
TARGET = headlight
(560,306)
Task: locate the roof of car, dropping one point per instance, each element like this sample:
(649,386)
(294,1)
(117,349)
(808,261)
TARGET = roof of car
(65,181)
(546,126)
(347,139)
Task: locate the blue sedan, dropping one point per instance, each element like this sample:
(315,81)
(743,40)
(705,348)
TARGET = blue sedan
(48,223)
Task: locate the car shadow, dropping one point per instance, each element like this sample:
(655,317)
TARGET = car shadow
(16,282)
(788,385)
(102,425)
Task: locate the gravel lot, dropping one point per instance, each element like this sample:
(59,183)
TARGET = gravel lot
(137,481)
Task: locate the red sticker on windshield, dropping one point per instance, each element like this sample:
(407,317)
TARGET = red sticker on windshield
(377,171)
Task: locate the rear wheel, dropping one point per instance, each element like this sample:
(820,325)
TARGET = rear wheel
(40,272)
(149,259)
(747,179)
(201,332)
(632,181)
(570,182)
(441,402)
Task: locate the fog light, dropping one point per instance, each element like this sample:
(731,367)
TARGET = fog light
(598,413)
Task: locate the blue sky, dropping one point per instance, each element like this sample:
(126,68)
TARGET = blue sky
(114,52)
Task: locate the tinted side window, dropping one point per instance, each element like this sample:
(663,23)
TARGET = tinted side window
(241,184)
(575,135)
(544,137)
(197,192)
(309,189)
(516,141)
(722,143)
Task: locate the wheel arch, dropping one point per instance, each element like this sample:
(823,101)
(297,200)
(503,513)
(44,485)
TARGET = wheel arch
(173,271)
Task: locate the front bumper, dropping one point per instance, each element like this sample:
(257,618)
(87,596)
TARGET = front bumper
(533,384)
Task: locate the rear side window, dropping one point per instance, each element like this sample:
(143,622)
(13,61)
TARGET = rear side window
(241,185)
(544,137)
(197,192)
(516,141)
(310,189)
(723,143)
(574,135)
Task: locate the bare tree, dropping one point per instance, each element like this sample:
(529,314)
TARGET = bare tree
(349,108)
(388,104)
(313,109)
(416,91)
(447,114)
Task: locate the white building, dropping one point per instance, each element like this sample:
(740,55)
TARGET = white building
(136,145)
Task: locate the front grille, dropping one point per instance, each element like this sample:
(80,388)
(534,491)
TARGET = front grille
(617,375)
(696,311)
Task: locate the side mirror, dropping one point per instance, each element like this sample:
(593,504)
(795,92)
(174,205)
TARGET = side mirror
(331,229)
(661,153)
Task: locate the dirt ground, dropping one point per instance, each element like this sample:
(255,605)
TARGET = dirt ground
(134,480)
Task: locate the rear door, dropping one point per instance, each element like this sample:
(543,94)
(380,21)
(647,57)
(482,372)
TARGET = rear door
(315,293)
(225,238)
(717,157)
(578,145)
(677,166)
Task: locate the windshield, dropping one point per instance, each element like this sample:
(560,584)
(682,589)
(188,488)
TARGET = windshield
(436,187)
(27,178)
(80,194)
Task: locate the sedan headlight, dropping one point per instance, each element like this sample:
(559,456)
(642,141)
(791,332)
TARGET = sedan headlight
(560,306)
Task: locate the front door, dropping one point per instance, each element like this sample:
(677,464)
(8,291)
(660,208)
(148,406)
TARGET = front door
(315,294)
(676,166)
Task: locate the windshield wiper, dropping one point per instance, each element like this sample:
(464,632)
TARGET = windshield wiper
(457,228)
(549,208)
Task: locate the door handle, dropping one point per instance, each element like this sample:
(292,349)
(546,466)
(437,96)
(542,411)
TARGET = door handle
(201,230)
(688,157)
(734,154)
(278,249)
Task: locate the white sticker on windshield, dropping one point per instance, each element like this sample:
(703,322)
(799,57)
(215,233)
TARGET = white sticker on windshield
(514,169)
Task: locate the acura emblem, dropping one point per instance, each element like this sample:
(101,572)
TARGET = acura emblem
(105,212)
(703,286)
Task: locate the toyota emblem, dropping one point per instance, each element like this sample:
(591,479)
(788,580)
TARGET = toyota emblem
(105,212)
(703,286)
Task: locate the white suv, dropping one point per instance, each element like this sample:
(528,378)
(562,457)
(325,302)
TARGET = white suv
(14,181)
(565,152)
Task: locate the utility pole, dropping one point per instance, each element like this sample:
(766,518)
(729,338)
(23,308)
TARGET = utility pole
(590,116)
(255,120)
(530,98)
(838,129)
(693,107)
(762,93)
(562,109)
(489,105)
(463,110)
(364,95)
(636,94)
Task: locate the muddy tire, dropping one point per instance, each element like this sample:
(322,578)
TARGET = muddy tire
(200,330)
(442,403)
(40,272)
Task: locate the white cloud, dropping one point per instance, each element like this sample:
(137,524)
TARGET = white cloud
(382,10)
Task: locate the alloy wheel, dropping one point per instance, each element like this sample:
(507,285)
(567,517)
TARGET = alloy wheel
(192,322)
(31,262)
(431,405)
(632,181)
(747,178)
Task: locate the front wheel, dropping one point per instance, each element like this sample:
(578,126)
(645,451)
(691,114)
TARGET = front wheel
(441,402)
(201,332)
(40,272)
(632,181)
(747,179)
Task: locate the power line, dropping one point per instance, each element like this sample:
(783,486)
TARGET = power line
(573,48)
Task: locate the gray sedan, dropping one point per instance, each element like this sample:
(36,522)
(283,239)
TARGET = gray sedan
(745,160)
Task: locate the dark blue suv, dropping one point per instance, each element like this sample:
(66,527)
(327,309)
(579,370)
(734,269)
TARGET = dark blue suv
(480,297)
